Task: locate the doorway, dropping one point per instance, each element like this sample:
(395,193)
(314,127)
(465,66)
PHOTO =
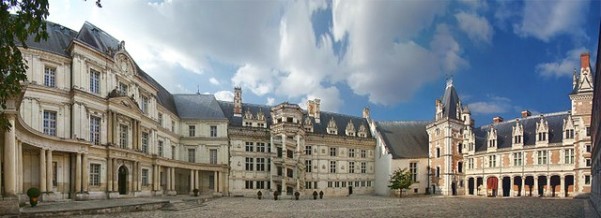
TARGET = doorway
(350,190)
(122,180)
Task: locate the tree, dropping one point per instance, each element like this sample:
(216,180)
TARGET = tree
(19,19)
(400,179)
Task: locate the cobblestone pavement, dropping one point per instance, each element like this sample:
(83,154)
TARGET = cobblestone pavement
(372,206)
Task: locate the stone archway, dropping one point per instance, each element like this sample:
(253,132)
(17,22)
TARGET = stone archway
(122,180)
(529,182)
(517,182)
(555,185)
(507,186)
(492,184)
(470,186)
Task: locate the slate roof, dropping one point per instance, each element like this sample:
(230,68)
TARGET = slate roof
(227,108)
(97,38)
(505,130)
(405,139)
(59,38)
(198,106)
(450,101)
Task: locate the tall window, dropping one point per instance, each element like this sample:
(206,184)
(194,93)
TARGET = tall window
(191,130)
(123,88)
(50,123)
(144,105)
(470,163)
(145,177)
(248,184)
(144,142)
(363,167)
(351,167)
(249,147)
(492,143)
(333,152)
(413,170)
(587,162)
(213,157)
(363,153)
(50,76)
(587,179)
(569,133)
(160,119)
(351,152)
(123,135)
(260,147)
(569,156)
(289,153)
(588,148)
(517,159)
(249,164)
(542,157)
(94,81)
(95,174)
(492,161)
(308,150)
(261,164)
(332,166)
(160,148)
(308,166)
(437,172)
(517,139)
(191,155)
(437,152)
(95,130)
(213,131)
(542,136)
(260,184)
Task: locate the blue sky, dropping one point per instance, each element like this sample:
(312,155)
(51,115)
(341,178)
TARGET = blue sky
(392,56)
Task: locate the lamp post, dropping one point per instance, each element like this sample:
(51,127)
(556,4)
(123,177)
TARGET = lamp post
(428,176)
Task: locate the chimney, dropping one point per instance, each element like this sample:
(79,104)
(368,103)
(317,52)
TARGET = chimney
(585,60)
(237,101)
(526,113)
(317,113)
(366,112)
(497,119)
(313,109)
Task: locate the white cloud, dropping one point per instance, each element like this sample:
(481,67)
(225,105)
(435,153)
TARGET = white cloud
(475,4)
(270,101)
(259,80)
(476,27)
(562,67)
(494,105)
(224,95)
(546,19)
(214,81)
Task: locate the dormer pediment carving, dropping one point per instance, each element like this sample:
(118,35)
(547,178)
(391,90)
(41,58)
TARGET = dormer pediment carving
(362,131)
(260,115)
(518,133)
(492,137)
(247,114)
(350,128)
(542,130)
(124,64)
(332,128)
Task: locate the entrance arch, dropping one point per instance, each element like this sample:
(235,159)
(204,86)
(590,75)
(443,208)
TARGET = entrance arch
(555,185)
(470,186)
(507,186)
(492,184)
(529,182)
(122,180)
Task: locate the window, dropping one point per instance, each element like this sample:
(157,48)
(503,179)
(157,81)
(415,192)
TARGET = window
(144,142)
(587,179)
(437,172)
(492,143)
(333,152)
(588,131)
(248,184)
(308,166)
(363,153)
(94,81)
(363,167)
(213,156)
(308,150)
(191,155)
(50,76)
(289,153)
(160,148)
(249,147)
(269,164)
(413,170)
(569,133)
(588,148)
(95,130)
(191,130)
(517,139)
(260,164)
(249,164)
(160,119)
(588,162)
(260,184)
(144,104)
(289,172)
(351,152)
(351,167)
(542,136)
(437,152)
(517,159)
(260,147)
(332,166)
(95,174)
(329,184)
(123,136)
(145,177)
(248,124)
(470,163)
(279,152)
(213,131)
(569,156)
(492,161)
(50,123)
(337,184)
(542,157)
(308,185)
(460,167)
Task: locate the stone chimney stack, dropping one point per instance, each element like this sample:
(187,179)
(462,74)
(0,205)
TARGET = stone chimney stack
(237,101)
(366,112)
(585,60)
(313,109)
(497,119)
(526,113)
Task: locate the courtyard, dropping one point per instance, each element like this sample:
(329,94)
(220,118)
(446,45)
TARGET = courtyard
(373,206)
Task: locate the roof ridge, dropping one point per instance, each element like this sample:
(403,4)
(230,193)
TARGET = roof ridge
(552,114)
(404,121)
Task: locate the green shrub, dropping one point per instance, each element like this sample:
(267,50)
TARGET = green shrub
(33,192)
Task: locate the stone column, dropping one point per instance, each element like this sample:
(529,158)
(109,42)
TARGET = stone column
(139,169)
(20,167)
(77,173)
(109,175)
(172,179)
(523,191)
(511,194)
(535,187)
(49,173)
(500,187)
(10,168)
(548,188)
(86,173)
(198,179)
(562,193)
(168,179)
(484,186)
(43,171)
(215,184)
(191,180)
(115,177)
(134,176)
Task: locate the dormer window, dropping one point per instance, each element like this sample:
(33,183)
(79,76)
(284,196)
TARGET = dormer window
(290,120)
(492,138)
(542,130)
(518,133)
(122,88)
(517,139)
(144,104)
(492,143)
(362,131)
(569,134)
(350,128)
(542,136)
(332,128)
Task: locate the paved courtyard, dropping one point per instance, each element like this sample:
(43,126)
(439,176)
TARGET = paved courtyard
(371,206)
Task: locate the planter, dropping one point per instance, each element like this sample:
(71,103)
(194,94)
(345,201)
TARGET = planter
(33,201)
(259,195)
(296,195)
(33,194)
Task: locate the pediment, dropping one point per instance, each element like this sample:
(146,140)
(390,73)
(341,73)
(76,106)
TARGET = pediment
(125,102)
(124,64)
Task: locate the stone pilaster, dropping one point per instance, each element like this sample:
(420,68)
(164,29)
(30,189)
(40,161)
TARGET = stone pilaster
(10,166)
(43,171)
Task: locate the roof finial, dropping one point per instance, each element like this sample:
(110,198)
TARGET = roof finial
(449,80)
(198,89)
